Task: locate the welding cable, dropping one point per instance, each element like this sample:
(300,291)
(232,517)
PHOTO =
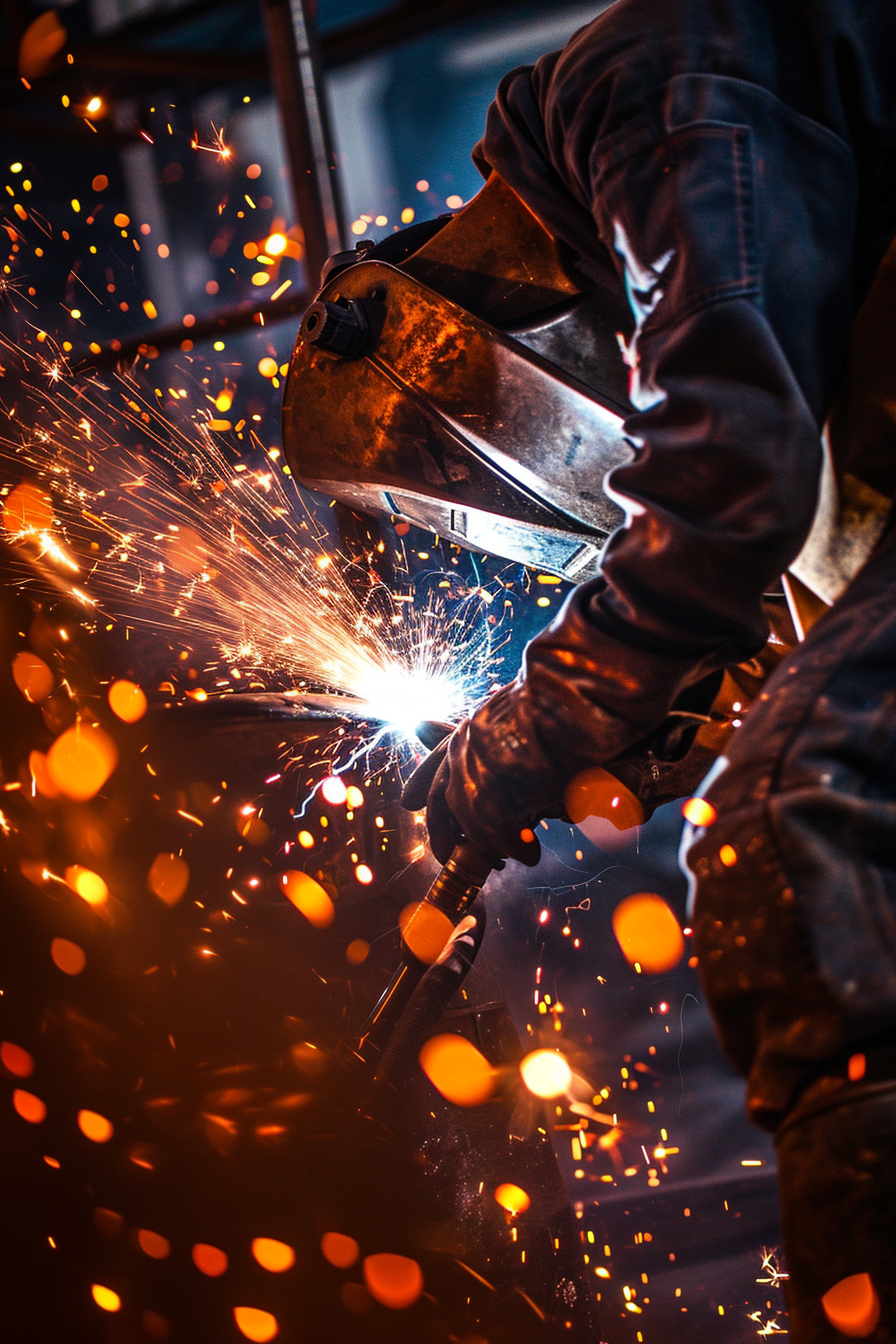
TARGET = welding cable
(431,997)
(453,892)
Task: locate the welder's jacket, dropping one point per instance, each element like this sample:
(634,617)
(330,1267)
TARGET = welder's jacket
(736,159)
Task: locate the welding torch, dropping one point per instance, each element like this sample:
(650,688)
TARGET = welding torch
(452,893)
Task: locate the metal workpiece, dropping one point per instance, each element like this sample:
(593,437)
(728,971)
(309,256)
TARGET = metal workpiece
(500,439)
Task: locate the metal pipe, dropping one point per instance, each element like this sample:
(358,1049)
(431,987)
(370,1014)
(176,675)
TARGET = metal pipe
(296,76)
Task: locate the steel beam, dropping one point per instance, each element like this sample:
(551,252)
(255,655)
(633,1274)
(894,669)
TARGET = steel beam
(296,77)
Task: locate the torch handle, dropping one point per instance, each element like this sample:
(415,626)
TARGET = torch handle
(453,892)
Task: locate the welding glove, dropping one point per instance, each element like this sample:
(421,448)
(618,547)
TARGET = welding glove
(509,765)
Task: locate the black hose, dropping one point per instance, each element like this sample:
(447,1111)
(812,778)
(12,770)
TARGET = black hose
(430,999)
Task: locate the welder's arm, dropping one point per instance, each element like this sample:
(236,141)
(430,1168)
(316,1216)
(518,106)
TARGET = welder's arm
(733,364)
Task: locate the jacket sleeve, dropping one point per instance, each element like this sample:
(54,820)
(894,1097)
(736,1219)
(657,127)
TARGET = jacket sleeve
(731,219)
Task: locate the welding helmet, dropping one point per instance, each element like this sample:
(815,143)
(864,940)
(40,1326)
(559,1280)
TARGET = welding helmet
(465,376)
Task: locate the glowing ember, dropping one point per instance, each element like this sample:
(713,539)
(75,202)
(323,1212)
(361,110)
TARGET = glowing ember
(852,1306)
(95,1126)
(309,897)
(596,793)
(68,956)
(339,1250)
(394,1280)
(648,933)
(425,930)
(546,1073)
(29,1107)
(81,760)
(259,1326)
(32,676)
(209,1260)
(153,1244)
(512,1198)
(334,791)
(27,510)
(698,812)
(127,701)
(274,1256)
(105,1298)
(457,1069)
(168,877)
(16,1060)
(89,886)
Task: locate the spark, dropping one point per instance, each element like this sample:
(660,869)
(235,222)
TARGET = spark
(218,147)
(770,1267)
(172,534)
(766,1328)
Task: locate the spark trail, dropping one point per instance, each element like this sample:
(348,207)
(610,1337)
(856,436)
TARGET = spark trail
(160,524)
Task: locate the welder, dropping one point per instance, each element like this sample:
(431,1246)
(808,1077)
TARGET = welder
(736,162)
(717,183)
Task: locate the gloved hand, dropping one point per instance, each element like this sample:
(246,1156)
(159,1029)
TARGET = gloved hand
(490,781)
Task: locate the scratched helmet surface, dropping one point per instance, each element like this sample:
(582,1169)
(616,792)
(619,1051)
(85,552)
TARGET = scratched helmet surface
(464,377)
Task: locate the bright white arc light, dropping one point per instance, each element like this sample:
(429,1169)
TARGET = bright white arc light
(546,1073)
(403,698)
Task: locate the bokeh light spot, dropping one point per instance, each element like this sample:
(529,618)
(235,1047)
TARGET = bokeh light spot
(168,877)
(728,856)
(425,930)
(209,1260)
(852,1306)
(37,766)
(457,1069)
(28,1106)
(32,676)
(86,884)
(339,1250)
(16,1060)
(396,1281)
(357,951)
(153,1244)
(127,701)
(274,1256)
(512,1198)
(81,760)
(267,367)
(96,1128)
(27,509)
(354,797)
(698,812)
(364,875)
(334,791)
(546,1073)
(306,839)
(105,1297)
(648,932)
(67,956)
(856,1068)
(596,793)
(309,897)
(257,1325)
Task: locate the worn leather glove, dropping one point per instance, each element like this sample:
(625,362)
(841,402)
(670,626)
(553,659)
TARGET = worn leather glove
(509,765)
(490,781)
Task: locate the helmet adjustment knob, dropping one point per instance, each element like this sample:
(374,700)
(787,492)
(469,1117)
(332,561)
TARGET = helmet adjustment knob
(341,327)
